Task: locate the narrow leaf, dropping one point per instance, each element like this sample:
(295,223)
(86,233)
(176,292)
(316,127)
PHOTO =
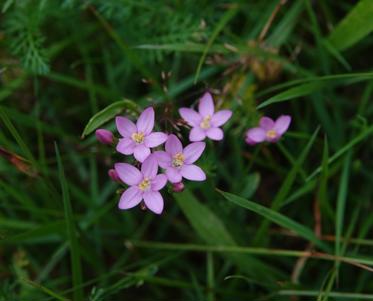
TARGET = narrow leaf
(109,113)
(276,218)
(211,229)
(72,236)
(355,26)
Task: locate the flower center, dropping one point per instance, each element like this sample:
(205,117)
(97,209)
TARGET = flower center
(271,134)
(138,137)
(178,160)
(145,184)
(205,124)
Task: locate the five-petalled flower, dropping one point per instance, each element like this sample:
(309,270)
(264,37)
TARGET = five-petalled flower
(138,139)
(144,185)
(178,161)
(205,122)
(268,130)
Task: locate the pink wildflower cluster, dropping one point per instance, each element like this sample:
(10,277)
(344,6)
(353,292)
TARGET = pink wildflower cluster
(158,166)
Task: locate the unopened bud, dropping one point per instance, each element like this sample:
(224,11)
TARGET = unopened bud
(104,136)
(114,175)
(178,187)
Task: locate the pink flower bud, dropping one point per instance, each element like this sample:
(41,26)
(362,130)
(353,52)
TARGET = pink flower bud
(104,136)
(113,175)
(178,187)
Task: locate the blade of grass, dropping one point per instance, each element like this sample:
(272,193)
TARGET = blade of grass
(356,25)
(211,229)
(285,189)
(305,293)
(341,204)
(71,230)
(210,277)
(322,194)
(277,218)
(219,27)
(353,260)
(364,134)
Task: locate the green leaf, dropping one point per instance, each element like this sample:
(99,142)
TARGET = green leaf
(71,230)
(356,25)
(276,218)
(219,27)
(341,204)
(294,92)
(303,87)
(286,186)
(109,113)
(211,229)
(360,137)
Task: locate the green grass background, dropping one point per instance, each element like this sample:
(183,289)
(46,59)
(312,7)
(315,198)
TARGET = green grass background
(287,221)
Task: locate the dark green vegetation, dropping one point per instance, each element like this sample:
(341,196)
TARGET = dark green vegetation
(287,221)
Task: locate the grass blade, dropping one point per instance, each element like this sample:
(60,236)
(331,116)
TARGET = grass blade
(72,236)
(284,191)
(355,26)
(211,229)
(276,218)
(223,21)
(341,204)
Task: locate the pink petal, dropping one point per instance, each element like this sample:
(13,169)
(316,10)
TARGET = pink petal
(126,146)
(164,159)
(128,173)
(282,124)
(173,175)
(173,145)
(154,201)
(266,123)
(150,167)
(141,152)
(249,141)
(190,116)
(155,139)
(206,105)
(193,151)
(130,198)
(215,133)
(145,123)
(221,117)
(193,172)
(125,126)
(159,182)
(256,135)
(197,134)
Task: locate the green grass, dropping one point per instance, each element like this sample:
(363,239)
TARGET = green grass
(286,221)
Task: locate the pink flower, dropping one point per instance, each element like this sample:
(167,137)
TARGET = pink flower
(268,130)
(104,136)
(205,122)
(178,162)
(144,185)
(138,139)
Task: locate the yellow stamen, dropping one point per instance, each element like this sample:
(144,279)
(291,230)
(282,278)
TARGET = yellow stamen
(138,137)
(205,124)
(145,184)
(271,134)
(178,160)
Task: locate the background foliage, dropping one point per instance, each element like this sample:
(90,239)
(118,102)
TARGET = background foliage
(290,221)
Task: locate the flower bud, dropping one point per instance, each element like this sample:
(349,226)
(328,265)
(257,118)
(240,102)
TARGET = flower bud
(104,136)
(178,187)
(114,175)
